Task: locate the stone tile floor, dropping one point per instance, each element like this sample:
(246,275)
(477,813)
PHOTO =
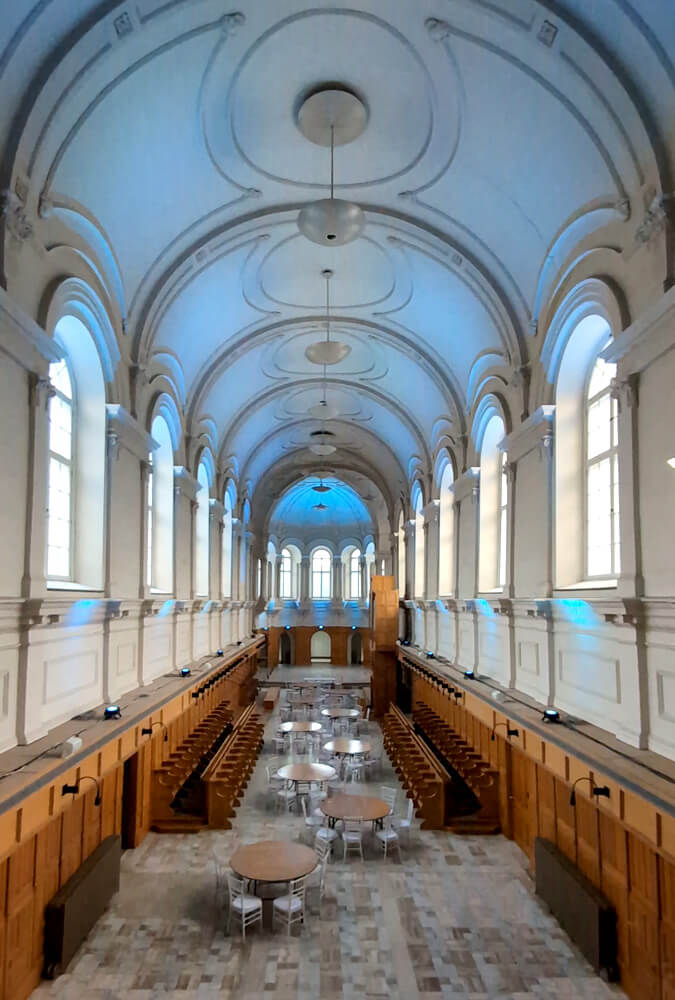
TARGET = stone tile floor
(455,919)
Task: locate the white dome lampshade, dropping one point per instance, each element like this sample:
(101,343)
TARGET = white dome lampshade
(331,222)
(322,449)
(327,352)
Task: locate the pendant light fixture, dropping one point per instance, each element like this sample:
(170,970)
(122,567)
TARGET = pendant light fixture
(327,352)
(332,116)
(320,506)
(321,488)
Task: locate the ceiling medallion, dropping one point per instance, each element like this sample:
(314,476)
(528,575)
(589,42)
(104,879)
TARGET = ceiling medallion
(327,352)
(332,116)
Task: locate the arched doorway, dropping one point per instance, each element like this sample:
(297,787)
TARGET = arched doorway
(355,651)
(320,647)
(285,651)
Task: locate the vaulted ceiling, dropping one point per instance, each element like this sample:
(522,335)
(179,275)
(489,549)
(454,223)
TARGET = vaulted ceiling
(156,148)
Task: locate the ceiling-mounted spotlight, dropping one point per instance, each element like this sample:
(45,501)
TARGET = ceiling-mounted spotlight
(332,116)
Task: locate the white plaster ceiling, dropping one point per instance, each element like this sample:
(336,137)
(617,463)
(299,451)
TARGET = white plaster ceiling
(155,144)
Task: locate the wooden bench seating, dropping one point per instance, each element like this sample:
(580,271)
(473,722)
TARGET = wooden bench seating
(176,769)
(477,774)
(226,777)
(422,775)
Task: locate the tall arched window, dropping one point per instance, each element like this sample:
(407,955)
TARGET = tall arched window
(602,474)
(446,529)
(226,555)
(401,555)
(420,583)
(202,533)
(322,564)
(286,575)
(76,475)
(160,509)
(60,496)
(493,508)
(355,575)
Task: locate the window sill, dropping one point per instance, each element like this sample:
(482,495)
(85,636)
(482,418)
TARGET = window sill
(590,585)
(69,585)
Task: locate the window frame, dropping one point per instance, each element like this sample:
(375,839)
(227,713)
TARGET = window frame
(611,454)
(503,523)
(321,573)
(354,593)
(71,465)
(284,572)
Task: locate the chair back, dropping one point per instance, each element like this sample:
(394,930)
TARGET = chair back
(353,826)
(303,803)
(296,887)
(388,795)
(235,887)
(322,848)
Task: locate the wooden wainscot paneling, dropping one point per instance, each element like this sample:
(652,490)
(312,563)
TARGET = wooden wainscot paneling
(667,899)
(642,972)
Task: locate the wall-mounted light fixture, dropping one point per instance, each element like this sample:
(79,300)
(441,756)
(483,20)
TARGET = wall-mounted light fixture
(74,789)
(112,712)
(509,731)
(597,790)
(147,730)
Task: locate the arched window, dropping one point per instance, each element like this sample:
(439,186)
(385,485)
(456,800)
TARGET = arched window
(286,575)
(258,591)
(202,533)
(160,509)
(76,474)
(370,568)
(322,563)
(602,474)
(60,496)
(401,555)
(446,529)
(420,585)
(586,459)
(355,575)
(226,556)
(494,500)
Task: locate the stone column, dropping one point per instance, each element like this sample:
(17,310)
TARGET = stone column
(466,490)
(185,497)
(34,582)
(431,548)
(215,547)
(363,569)
(337,579)
(304,578)
(409,529)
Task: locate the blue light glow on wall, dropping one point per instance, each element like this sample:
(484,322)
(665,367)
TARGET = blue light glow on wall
(82,612)
(577,611)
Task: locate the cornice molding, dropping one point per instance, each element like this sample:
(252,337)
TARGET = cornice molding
(128,433)
(535,431)
(466,484)
(645,340)
(184,484)
(22,340)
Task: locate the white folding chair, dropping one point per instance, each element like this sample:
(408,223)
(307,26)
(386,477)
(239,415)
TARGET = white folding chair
(312,822)
(404,823)
(326,835)
(388,795)
(317,877)
(286,795)
(352,837)
(248,909)
(290,909)
(388,837)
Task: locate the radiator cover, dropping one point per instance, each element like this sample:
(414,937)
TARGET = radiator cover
(582,911)
(76,907)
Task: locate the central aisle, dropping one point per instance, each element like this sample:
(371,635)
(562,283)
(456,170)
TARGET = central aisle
(455,919)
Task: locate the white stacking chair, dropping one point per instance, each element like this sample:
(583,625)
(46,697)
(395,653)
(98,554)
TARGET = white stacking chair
(248,909)
(290,909)
(388,836)
(404,823)
(326,835)
(353,771)
(352,837)
(371,765)
(317,877)
(286,795)
(312,822)
(388,795)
